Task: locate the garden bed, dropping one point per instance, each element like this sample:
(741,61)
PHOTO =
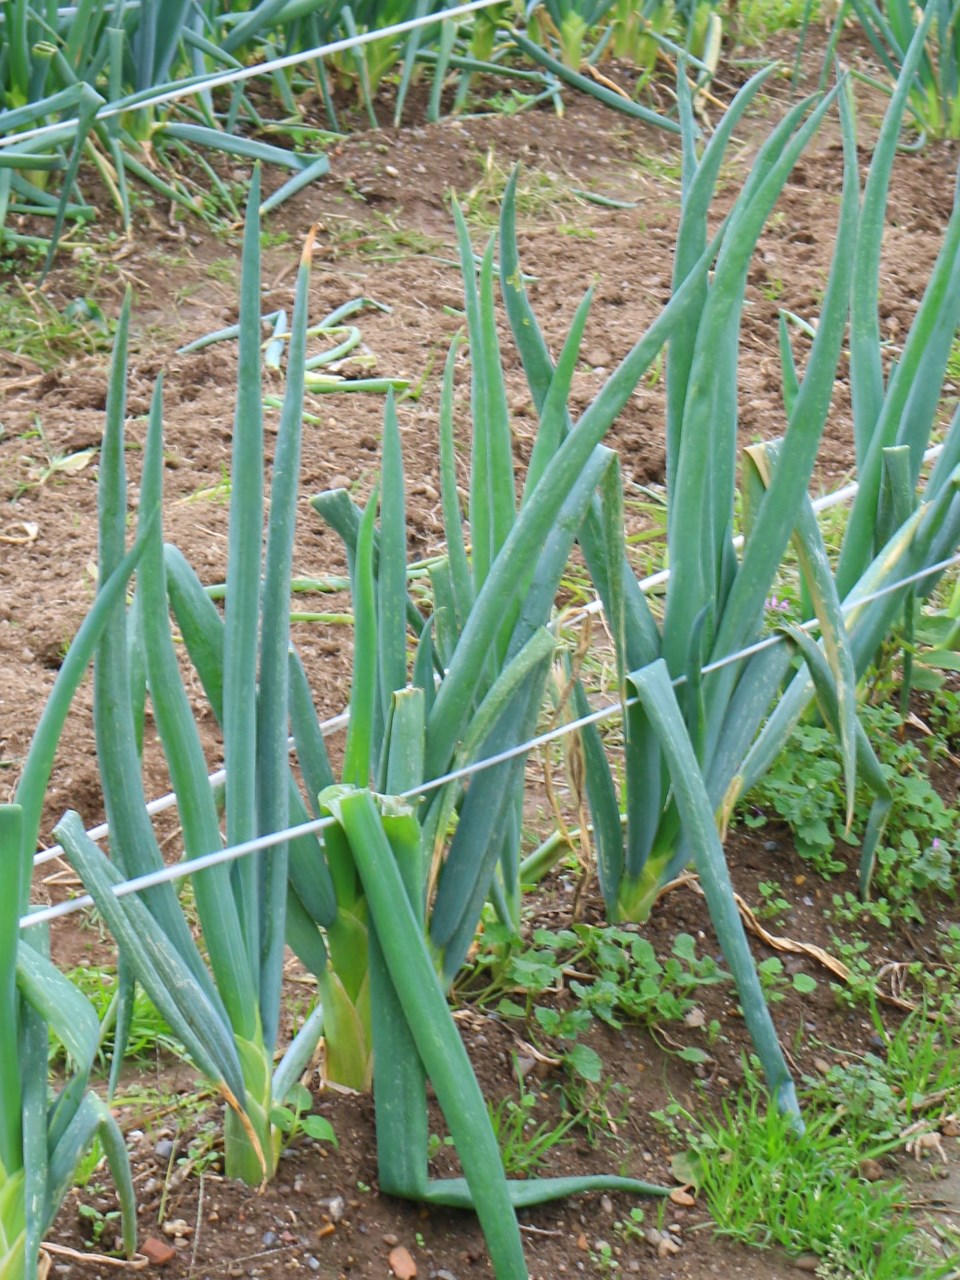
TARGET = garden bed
(386,233)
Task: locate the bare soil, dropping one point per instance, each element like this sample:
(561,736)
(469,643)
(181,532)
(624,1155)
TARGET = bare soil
(386,232)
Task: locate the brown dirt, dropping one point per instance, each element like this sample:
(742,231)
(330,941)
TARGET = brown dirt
(386,232)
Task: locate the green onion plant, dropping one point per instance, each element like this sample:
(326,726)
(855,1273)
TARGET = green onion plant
(933,99)
(227,1016)
(45,1133)
(703,723)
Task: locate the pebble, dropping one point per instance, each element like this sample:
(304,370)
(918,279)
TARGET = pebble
(606,1204)
(334,1207)
(269,1238)
(311,1262)
(157,1251)
(162,1150)
(177,1228)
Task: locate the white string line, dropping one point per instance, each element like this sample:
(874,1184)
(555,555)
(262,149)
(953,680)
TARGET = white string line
(328,727)
(169,801)
(218,80)
(180,870)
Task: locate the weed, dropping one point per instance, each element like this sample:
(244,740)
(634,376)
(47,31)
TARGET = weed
(149,1031)
(664,168)
(223,270)
(50,463)
(218,493)
(272,240)
(632,983)
(295,1117)
(613,974)
(99,1224)
(773,979)
(765,1183)
(772,903)
(34,327)
(597,1109)
(540,194)
(804,788)
(380,238)
(525,1143)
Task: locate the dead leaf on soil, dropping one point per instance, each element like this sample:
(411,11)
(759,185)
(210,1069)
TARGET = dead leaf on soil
(20,531)
(685,1168)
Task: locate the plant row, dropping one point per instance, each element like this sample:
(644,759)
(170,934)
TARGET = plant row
(380,885)
(151,97)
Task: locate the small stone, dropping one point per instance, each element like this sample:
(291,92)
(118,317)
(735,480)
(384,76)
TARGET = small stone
(871,1170)
(163,1149)
(157,1252)
(390,171)
(311,1262)
(402,1264)
(334,1207)
(390,1239)
(269,1238)
(606,1204)
(177,1228)
(771,846)
(806,1262)
(667,1247)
